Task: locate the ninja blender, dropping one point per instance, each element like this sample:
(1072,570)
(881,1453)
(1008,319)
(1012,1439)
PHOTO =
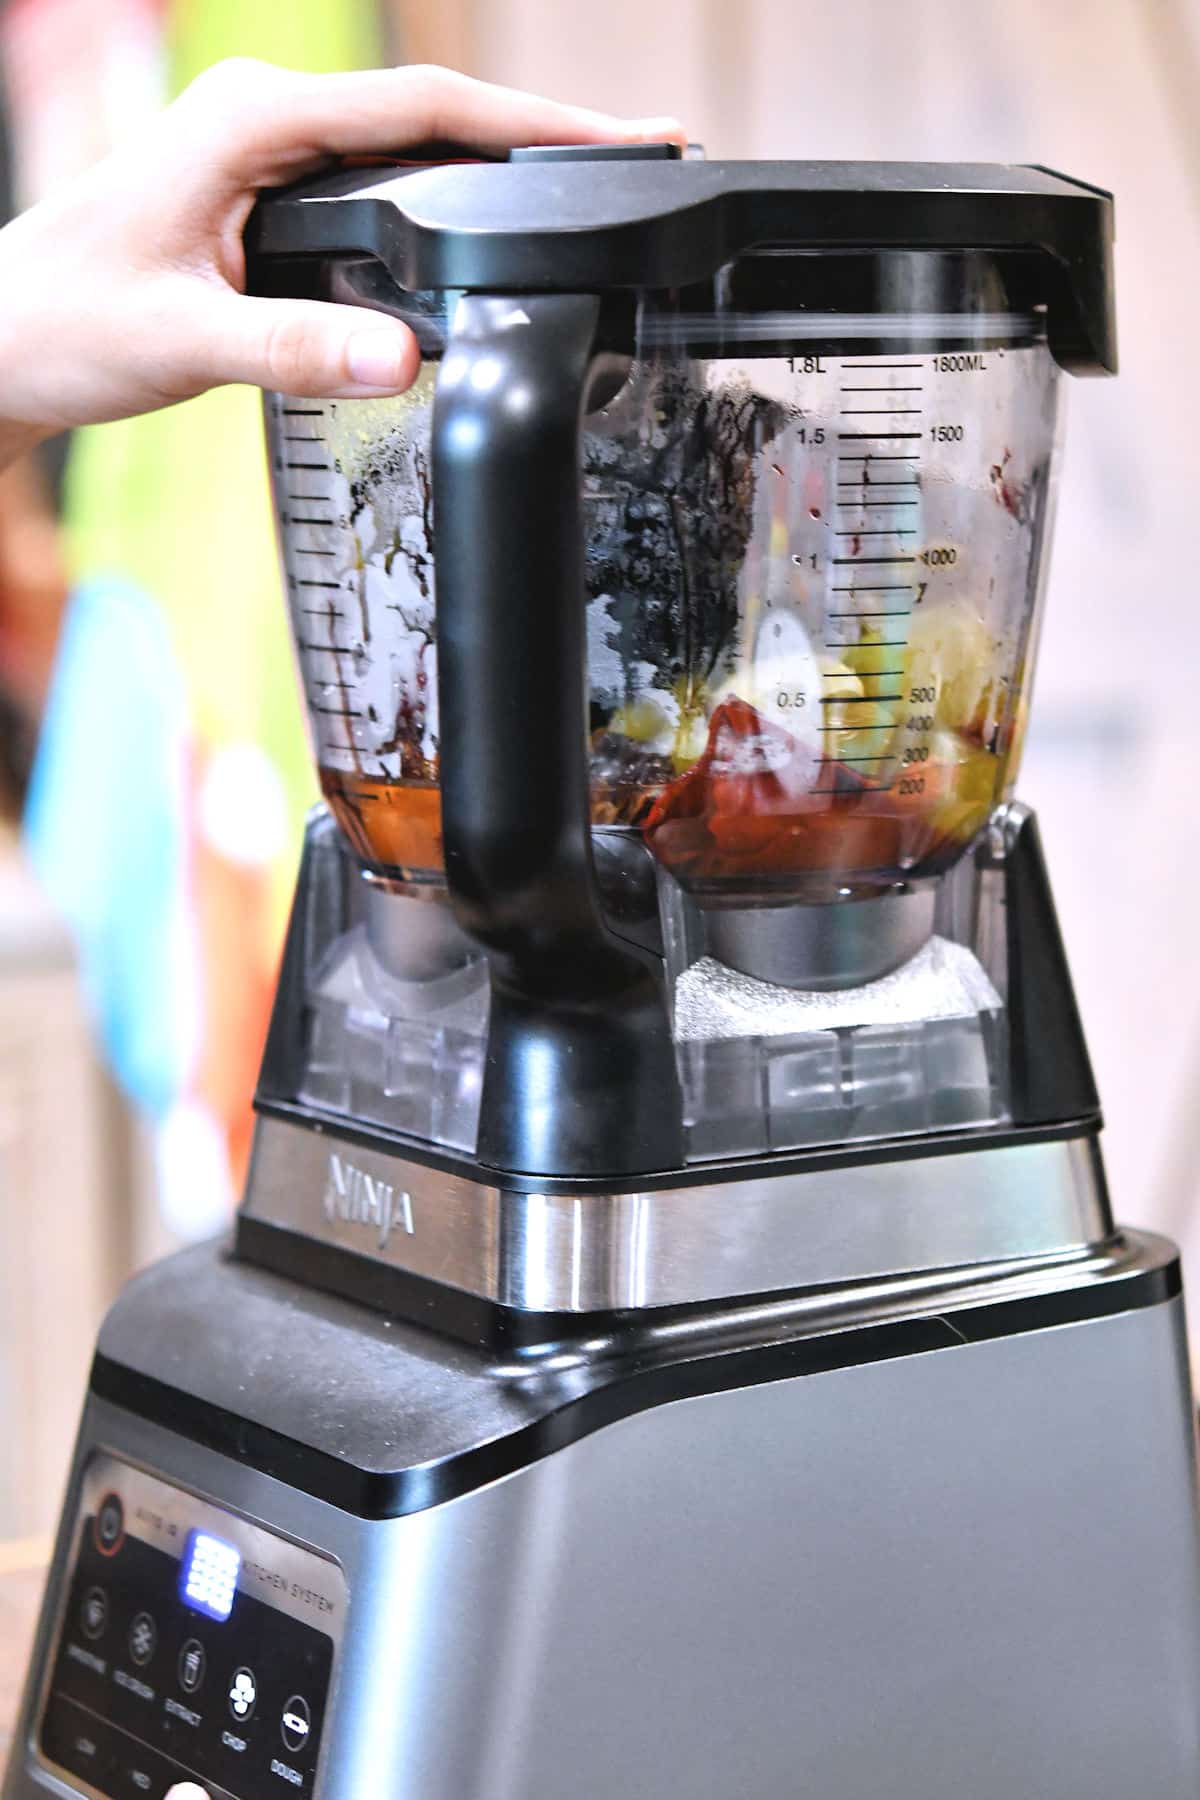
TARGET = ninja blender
(675,1339)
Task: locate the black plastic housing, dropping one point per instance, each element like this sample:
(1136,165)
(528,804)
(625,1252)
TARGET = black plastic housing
(1052,1087)
(1051,1072)
(471,1415)
(594,224)
(580,1071)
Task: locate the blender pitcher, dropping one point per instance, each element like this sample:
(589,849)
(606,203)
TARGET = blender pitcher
(783,511)
(811,580)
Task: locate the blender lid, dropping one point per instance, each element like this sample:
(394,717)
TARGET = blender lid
(598,218)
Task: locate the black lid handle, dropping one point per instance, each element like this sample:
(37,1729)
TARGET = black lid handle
(581,1069)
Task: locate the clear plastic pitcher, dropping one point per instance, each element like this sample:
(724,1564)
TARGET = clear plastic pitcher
(813,551)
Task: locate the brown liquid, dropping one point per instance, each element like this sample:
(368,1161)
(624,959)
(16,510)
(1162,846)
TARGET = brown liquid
(396,826)
(746,817)
(392,825)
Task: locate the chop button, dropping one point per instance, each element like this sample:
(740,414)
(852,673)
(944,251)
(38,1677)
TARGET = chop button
(243,1695)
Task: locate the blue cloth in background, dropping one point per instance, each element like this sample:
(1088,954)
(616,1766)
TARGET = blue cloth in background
(105,830)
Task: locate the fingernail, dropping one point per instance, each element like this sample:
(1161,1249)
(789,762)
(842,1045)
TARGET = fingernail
(377,359)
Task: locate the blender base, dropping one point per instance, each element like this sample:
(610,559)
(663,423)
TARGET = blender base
(921,1555)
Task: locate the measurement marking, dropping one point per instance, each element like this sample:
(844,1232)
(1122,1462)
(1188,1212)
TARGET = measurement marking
(303,437)
(891,587)
(297,520)
(863,505)
(870,368)
(855,562)
(303,550)
(856,700)
(879,412)
(325,649)
(320,497)
(337,712)
(891,531)
(882,390)
(879,644)
(322,612)
(882,755)
(303,412)
(337,584)
(880,785)
(847,437)
(896,612)
(303,465)
(867,456)
(870,486)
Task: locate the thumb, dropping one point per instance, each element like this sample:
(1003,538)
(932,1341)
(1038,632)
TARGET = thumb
(187,1790)
(304,347)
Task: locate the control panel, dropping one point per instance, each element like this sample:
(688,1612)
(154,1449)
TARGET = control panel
(193,1646)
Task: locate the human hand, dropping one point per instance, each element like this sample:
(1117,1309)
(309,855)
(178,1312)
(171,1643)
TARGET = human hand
(187,1790)
(123,291)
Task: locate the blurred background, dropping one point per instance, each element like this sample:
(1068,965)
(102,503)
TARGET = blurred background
(153,775)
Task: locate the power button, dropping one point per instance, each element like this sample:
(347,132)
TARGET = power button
(108,1529)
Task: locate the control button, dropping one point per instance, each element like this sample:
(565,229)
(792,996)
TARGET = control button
(80,1744)
(137,1772)
(143,1639)
(243,1695)
(297,1722)
(93,1614)
(192,1662)
(109,1529)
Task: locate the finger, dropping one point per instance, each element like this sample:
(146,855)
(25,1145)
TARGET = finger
(449,106)
(187,1790)
(274,120)
(306,347)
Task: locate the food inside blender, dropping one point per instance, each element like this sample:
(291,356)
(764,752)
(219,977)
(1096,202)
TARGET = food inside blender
(894,779)
(804,664)
(811,637)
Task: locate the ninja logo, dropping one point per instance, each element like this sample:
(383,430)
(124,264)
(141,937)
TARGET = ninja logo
(355,1198)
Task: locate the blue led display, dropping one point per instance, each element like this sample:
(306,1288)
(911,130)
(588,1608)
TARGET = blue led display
(208,1575)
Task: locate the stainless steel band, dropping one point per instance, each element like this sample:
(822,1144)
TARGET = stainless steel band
(547,1252)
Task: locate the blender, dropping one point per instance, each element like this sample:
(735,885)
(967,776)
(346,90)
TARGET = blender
(675,1338)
